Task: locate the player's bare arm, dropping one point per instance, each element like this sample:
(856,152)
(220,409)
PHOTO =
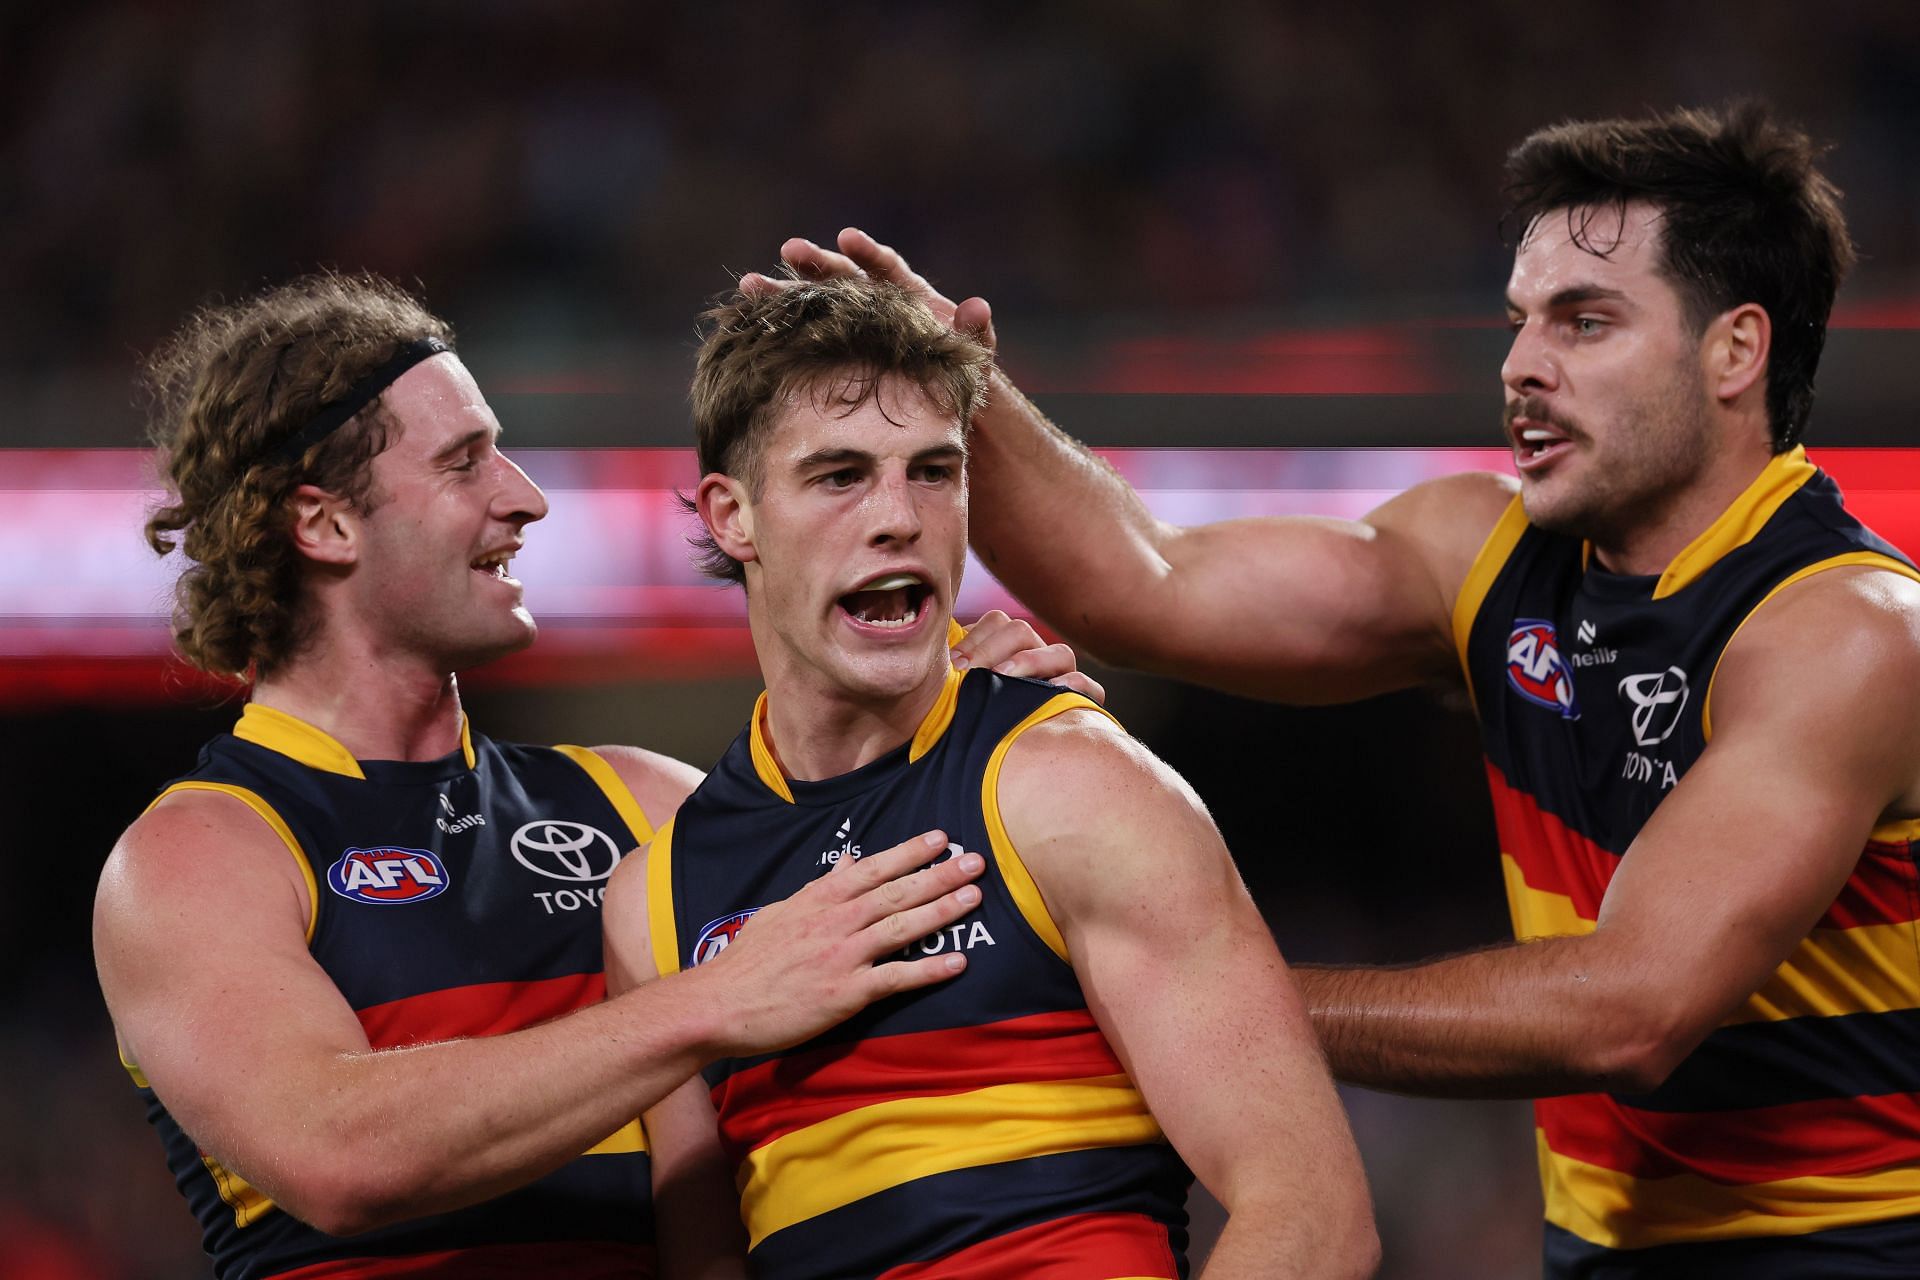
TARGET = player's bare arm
(696,1211)
(1732,870)
(1184,980)
(1301,609)
(267,1067)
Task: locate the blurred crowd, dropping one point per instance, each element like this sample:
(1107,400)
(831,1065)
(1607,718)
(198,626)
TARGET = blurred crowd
(553,174)
(567,182)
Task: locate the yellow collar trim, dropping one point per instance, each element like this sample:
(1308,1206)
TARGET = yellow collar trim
(763,762)
(1779,480)
(938,717)
(935,723)
(316,748)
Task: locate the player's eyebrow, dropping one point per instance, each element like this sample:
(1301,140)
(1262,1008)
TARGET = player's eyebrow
(466,442)
(1574,295)
(833,457)
(946,449)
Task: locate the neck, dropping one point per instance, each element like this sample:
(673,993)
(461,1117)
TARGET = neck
(378,709)
(817,733)
(1649,540)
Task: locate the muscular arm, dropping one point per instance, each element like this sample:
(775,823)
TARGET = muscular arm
(696,1211)
(199,934)
(1300,609)
(1733,869)
(1181,974)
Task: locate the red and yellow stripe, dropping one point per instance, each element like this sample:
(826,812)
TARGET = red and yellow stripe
(816,1132)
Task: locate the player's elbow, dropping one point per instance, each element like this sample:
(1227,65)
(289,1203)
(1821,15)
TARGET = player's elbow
(1354,1251)
(1636,1063)
(1639,1047)
(344,1195)
(337,1207)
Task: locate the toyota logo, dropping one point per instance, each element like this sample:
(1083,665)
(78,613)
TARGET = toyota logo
(562,850)
(1658,698)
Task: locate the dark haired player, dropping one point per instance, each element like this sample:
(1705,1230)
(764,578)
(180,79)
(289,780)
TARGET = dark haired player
(369,1046)
(1699,683)
(1123,1007)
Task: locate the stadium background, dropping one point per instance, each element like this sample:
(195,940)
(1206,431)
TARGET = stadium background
(1204,228)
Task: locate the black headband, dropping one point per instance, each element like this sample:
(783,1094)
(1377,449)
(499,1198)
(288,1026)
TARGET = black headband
(334,415)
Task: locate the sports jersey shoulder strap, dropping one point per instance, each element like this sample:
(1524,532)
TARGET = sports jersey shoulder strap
(269,815)
(1863,559)
(1487,564)
(615,788)
(1013,871)
(664,936)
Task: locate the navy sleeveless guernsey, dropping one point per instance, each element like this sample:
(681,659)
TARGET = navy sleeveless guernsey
(1788,1143)
(451,898)
(979,1128)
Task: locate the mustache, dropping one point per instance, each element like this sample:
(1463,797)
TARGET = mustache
(1538,410)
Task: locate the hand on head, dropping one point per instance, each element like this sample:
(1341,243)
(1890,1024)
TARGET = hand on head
(859,254)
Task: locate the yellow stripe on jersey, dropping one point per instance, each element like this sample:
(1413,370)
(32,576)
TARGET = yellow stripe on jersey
(1487,563)
(1539,913)
(247,1203)
(297,740)
(627,1139)
(1871,968)
(1740,523)
(660,927)
(1019,881)
(937,720)
(1897,831)
(1869,558)
(1868,969)
(858,1153)
(133,1069)
(1618,1211)
(764,763)
(272,819)
(618,793)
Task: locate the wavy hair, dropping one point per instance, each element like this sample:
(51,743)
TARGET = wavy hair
(227,392)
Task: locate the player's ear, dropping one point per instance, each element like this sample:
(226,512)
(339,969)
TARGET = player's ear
(323,526)
(1738,344)
(727,510)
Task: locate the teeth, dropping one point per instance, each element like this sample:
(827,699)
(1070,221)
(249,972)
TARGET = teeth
(1537,436)
(892,582)
(912,615)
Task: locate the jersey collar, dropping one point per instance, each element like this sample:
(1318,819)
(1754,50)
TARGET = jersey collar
(932,726)
(1735,527)
(311,746)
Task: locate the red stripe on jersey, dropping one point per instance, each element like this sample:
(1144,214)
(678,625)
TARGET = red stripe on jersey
(1825,1136)
(575,1259)
(1552,856)
(787,1094)
(484,1009)
(1883,889)
(1087,1246)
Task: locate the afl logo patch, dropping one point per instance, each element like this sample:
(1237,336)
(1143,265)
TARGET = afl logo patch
(1536,670)
(386,876)
(714,938)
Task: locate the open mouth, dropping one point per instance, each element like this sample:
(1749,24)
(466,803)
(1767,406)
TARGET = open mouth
(1534,445)
(495,566)
(893,602)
